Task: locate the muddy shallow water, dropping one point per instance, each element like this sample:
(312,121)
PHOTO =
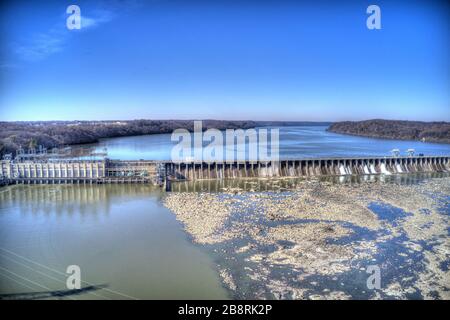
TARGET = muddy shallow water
(321,239)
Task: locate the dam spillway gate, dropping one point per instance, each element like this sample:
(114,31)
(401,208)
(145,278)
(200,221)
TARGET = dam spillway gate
(159,172)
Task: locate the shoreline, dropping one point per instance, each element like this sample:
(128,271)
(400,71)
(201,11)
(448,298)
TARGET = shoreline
(427,132)
(317,240)
(388,138)
(59,134)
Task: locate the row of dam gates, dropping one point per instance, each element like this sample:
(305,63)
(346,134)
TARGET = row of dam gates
(160,172)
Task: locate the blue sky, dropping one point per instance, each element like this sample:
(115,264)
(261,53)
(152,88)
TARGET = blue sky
(261,60)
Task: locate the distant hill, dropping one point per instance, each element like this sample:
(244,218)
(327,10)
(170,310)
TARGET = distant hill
(52,134)
(395,129)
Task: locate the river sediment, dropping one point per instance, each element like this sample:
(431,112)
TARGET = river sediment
(320,239)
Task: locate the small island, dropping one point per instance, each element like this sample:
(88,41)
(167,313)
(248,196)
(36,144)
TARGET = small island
(395,129)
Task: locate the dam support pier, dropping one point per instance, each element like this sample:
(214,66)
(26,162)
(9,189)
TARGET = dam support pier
(161,172)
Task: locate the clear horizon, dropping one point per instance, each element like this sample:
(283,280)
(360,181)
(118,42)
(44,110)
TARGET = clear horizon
(214,119)
(227,60)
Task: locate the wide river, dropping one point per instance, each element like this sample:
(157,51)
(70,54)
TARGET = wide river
(294,143)
(121,236)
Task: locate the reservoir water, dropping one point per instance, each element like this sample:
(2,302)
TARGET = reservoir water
(295,143)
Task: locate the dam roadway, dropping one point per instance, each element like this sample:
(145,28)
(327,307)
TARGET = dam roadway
(159,172)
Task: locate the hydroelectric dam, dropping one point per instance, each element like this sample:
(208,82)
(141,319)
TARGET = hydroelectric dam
(161,172)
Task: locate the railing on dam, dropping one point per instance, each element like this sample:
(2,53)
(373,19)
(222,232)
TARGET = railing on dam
(158,172)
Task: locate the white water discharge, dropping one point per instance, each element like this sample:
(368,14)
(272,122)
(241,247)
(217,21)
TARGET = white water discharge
(372,168)
(342,170)
(291,171)
(383,169)
(399,169)
(366,169)
(263,172)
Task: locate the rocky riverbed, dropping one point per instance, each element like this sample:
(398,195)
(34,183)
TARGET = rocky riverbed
(322,240)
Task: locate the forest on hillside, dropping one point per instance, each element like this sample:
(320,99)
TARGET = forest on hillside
(395,129)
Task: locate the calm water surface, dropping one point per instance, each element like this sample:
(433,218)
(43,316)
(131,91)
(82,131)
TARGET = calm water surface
(295,143)
(120,236)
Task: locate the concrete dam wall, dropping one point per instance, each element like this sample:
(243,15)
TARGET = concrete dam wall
(307,168)
(79,171)
(158,172)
